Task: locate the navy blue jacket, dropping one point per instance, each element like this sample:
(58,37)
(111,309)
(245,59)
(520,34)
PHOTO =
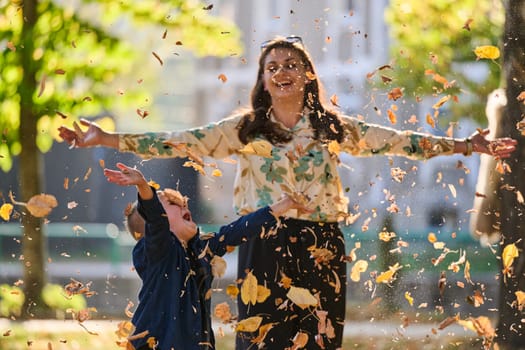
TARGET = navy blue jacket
(172,301)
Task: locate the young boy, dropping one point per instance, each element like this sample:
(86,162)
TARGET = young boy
(174,263)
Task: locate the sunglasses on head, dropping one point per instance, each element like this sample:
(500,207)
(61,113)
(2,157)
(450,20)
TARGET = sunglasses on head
(292,39)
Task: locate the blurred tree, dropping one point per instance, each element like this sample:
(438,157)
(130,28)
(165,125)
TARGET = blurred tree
(440,37)
(511,328)
(59,60)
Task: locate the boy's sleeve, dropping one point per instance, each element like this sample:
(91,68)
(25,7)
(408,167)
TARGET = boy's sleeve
(157,237)
(240,231)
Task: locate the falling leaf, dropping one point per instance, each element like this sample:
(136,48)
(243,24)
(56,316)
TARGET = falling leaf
(310,75)
(301,297)
(216,173)
(232,291)
(207,8)
(487,51)
(397,174)
(386,236)
(388,276)
(510,252)
(157,57)
(263,331)
(430,120)
(5,211)
(448,321)
(442,282)
(432,237)
(42,85)
(11,46)
(333,100)
(477,299)
(359,267)
(250,324)
(222,312)
(299,341)
(194,165)
(409,298)
(452,190)
(395,94)
(391,116)
(249,289)
(41,205)
(441,102)
(124,329)
(520,300)
(218,266)
(262,293)
(467,24)
(334,147)
(259,148)
(142,113)
(222,78)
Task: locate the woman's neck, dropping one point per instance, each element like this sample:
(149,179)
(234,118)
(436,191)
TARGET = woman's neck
(287,113)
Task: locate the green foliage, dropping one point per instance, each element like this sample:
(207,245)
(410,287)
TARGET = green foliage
(441,36)
(55,297)
(78,53)
(11,300)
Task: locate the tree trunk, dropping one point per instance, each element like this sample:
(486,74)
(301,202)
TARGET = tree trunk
(32,240)
(511,328)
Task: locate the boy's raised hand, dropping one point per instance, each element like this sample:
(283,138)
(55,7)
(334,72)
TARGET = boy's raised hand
(127,176)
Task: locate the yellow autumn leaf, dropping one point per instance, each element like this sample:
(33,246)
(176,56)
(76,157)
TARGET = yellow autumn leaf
(301,297)
(359,267)
(520,300)
(262,293)
(152,342)
(232,290)
(334,147)
(154,184)
(259,148)
(388,276)
(5,211)
(124,329)
(216,173)
(409,298)
(432,237)
(487,51)
(250,324)
(440,103)
(386,236)
(510,252)
(249,289)
(194,165)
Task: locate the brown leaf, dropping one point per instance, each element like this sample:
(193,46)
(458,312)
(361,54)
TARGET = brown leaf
(157,57)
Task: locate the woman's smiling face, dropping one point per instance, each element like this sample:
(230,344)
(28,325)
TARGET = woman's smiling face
(284,74)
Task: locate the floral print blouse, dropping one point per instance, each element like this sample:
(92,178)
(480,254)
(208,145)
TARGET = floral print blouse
(302,166)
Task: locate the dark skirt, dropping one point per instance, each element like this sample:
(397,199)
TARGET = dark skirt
(303,254)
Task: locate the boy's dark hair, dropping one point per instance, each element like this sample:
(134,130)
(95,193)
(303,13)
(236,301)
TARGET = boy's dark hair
(133,221)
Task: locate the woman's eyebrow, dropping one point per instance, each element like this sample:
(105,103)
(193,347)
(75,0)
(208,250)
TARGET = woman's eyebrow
(286,60)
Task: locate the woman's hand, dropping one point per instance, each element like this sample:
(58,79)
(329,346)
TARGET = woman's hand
(93,136)
(499,148)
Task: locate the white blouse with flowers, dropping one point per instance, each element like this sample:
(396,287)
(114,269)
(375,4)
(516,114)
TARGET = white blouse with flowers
(303,165)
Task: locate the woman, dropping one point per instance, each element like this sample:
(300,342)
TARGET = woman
(288,140)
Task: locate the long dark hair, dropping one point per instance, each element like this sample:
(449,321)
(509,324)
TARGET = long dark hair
(256,122)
